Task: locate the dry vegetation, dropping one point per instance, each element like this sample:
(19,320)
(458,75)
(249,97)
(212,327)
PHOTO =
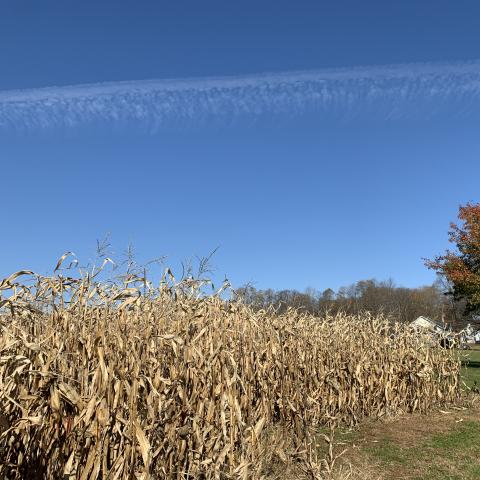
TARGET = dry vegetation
(123,380)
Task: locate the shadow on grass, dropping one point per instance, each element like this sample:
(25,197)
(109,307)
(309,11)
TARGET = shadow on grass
(471,364)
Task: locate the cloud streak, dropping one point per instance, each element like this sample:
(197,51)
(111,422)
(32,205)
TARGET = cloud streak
(393,92)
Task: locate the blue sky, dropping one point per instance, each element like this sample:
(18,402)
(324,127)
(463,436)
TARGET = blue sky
(315,143)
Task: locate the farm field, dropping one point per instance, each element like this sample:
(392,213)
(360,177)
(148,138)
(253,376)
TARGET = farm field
(109,379)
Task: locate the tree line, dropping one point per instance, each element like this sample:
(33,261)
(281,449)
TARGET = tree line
(378,297)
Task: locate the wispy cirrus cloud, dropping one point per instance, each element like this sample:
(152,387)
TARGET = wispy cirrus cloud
(384,92)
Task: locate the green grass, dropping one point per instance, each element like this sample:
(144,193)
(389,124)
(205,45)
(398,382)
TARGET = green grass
(471,367)
(390,454)
(451,455)
(464,437)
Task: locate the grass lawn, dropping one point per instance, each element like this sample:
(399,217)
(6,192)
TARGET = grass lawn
(438,446)
(471,366)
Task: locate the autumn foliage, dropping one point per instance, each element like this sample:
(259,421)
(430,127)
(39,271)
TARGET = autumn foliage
(462,267)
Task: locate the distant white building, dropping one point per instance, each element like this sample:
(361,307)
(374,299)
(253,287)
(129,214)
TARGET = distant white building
(428,325)
(436,330)
(470,335)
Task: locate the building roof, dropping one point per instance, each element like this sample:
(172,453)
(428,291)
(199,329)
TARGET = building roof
(427,324)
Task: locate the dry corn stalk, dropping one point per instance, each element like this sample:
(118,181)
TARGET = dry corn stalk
(103,381)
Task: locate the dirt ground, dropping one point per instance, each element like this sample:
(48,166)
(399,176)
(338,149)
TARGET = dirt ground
(444,444)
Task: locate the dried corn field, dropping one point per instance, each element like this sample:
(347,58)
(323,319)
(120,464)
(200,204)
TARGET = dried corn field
(118,380)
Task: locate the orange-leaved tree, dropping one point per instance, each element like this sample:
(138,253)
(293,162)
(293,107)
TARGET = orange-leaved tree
(461,268)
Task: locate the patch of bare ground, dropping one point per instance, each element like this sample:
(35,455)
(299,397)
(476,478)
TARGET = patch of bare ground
(443,444)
